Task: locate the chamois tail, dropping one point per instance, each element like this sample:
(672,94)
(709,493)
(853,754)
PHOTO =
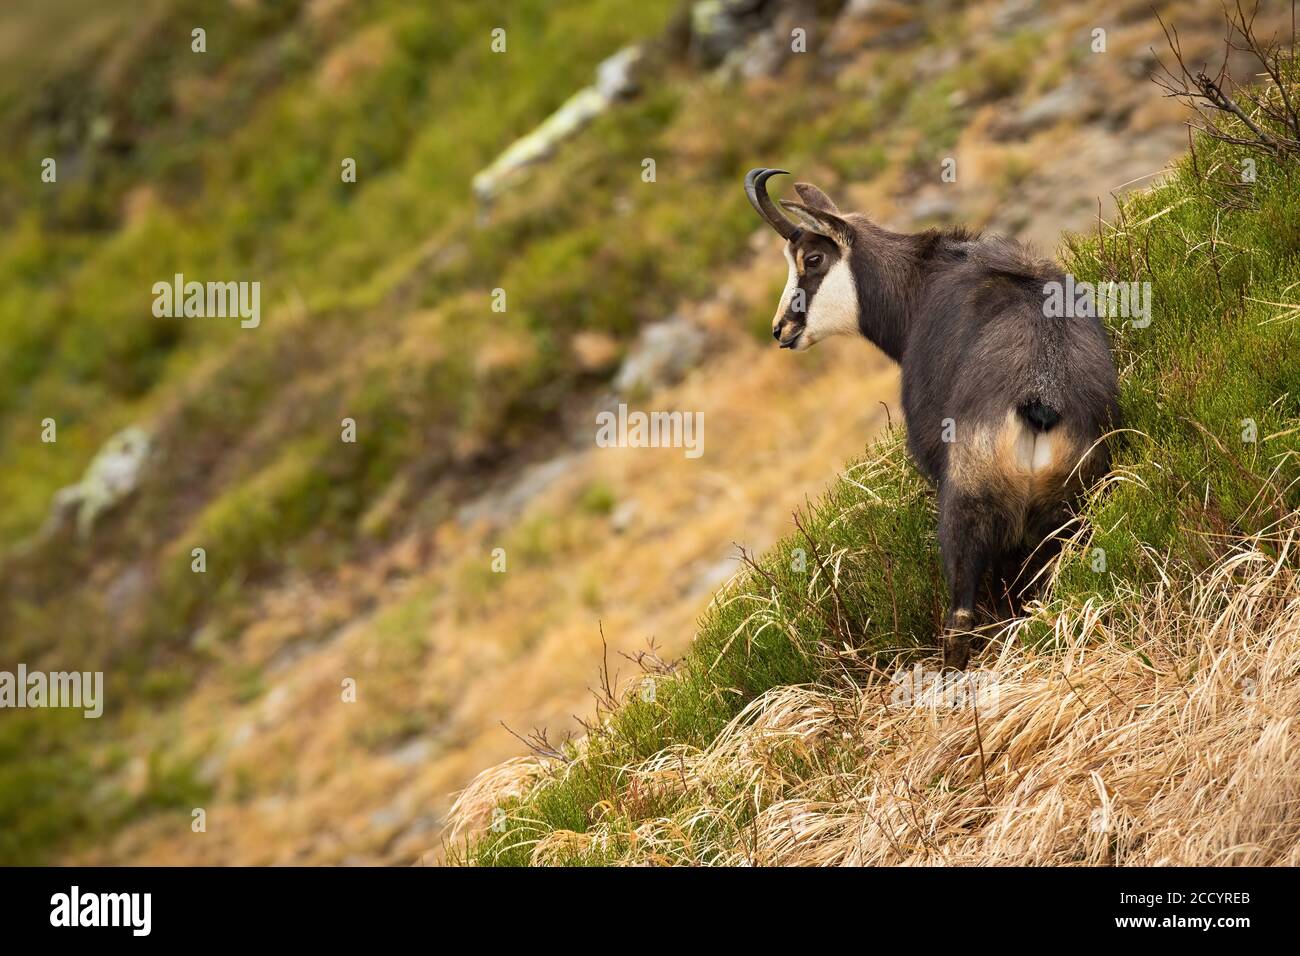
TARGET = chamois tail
(1039,417)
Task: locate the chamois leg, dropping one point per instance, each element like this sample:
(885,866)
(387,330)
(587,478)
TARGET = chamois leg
(1042,545)
(1003,588)
(971,531)
(1015,575)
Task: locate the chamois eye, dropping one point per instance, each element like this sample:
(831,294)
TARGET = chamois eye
(813,261)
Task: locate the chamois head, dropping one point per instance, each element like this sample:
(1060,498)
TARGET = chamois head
(821,296)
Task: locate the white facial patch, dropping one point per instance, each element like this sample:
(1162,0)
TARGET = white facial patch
(833,309)
(791,283)
(834,306)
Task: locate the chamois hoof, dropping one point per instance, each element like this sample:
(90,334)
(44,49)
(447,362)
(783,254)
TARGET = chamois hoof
(957,639)
(956,650)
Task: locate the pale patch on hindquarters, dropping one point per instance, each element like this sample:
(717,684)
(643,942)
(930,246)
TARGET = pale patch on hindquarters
(1031,451)
(1014,462)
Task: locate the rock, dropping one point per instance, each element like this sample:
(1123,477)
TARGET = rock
(875,23)
(761,56)
(294,651)
(579,110)
(661,355)
(242,735)
(707,577)
(616,78)
(934,204)
(504,504)
(721,27)
(420,826)
(1142,65)
(1072,100)
(113,475)
(1062,103)
(414,752)
(274,706)
(207,638)
(1015,14)
(387,818)
(134,778)
(211,769)
(623,515)
(124,593)
(713,33)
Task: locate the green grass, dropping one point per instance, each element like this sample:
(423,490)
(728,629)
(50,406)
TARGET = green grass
(1216,255)
(48,787)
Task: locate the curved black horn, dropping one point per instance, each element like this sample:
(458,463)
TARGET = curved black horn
(756,190)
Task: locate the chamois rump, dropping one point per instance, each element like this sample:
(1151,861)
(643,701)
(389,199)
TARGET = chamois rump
(1006,407)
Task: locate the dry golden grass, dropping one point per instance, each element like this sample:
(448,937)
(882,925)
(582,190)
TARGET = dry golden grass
(1161,728)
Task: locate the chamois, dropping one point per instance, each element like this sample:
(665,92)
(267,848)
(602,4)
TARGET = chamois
(1006,405)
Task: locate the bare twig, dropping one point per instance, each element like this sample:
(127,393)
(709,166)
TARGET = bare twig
(1270,117)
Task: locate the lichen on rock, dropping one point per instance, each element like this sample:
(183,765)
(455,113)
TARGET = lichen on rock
(113,474)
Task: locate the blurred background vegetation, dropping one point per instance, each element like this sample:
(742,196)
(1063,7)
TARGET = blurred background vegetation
(371,560)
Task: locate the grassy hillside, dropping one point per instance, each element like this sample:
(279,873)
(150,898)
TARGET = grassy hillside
(227,165)
(653,782)
(328,560)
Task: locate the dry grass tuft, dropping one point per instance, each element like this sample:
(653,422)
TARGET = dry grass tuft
(474,806)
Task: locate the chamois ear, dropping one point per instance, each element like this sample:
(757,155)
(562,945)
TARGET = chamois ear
(820,221)
(814,197)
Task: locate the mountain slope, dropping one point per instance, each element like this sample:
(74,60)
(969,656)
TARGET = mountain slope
(371,561)
(777,741)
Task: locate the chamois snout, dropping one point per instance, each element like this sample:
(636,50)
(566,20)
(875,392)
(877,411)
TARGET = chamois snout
(787,331)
